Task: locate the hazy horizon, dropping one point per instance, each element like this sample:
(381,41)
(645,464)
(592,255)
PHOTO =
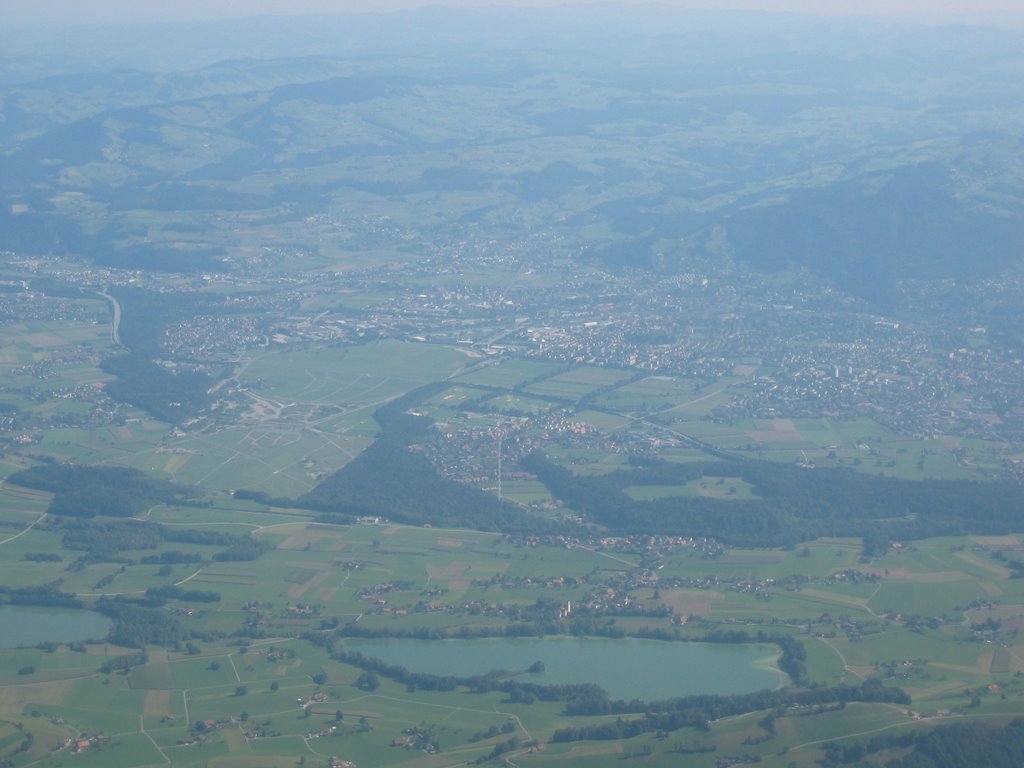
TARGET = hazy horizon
(45,13)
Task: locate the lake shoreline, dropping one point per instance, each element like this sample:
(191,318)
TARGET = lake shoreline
(625,668)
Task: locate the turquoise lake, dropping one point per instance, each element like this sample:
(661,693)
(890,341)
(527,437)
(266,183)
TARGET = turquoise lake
(22,625)
(625,667)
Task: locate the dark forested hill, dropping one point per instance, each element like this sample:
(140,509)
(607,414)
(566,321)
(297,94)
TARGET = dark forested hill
(867,233)
(82,491)
(793,504)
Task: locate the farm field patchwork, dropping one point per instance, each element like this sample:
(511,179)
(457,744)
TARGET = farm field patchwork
(398,579)
(350,365)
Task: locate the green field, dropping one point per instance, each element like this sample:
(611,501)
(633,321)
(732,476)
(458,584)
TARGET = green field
(850,630)
(698,270)
(906,617)
(509,374)
(709,487)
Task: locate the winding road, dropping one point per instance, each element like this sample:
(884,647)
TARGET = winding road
(115,320)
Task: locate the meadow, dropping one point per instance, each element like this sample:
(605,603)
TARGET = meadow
(900,616)
(920,616)
(570,243)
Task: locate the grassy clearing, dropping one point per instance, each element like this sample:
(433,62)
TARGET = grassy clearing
(508,374)
(708,487)
(518,404)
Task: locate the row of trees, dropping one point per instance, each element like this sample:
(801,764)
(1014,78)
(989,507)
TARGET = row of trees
(103,541)
(495,680)
(46,596)
(964,745)
(699,711)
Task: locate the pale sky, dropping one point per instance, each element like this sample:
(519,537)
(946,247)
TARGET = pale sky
(46,12)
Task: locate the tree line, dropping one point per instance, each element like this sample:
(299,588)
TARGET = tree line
(170,396)
(585,699)
(793,504)
(392,480)
(104,541)
(87,491)
(963,745)
(698,711)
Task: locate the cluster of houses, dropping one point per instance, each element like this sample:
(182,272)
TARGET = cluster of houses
(329,730)
(914,378)
(416,737)
(84,741)
(316,698)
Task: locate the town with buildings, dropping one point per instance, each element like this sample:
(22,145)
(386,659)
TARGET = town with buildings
(785,348)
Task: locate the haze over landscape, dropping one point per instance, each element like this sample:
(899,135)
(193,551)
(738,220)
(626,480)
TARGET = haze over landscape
(61,12)
(518,384)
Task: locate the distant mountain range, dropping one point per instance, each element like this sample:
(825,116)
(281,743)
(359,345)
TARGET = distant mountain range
(883,154)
